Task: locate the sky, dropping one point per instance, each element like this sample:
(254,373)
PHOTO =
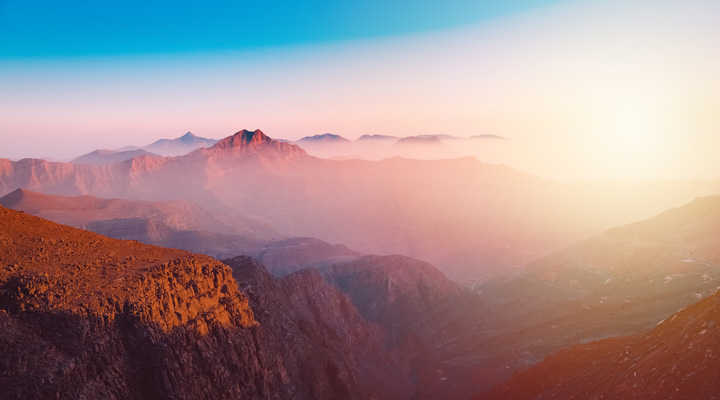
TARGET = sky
(583,89)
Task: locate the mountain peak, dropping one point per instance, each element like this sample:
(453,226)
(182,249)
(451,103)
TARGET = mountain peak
(188,136)
(243,139)
(256,140)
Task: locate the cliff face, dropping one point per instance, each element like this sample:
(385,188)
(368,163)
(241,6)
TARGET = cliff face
(319,337)
(425,316)
(409,295)
(84,316)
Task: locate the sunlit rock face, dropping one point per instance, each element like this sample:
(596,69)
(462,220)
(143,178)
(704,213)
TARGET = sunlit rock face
(85,316)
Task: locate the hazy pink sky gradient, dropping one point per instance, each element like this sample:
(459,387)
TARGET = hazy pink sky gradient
(584,89)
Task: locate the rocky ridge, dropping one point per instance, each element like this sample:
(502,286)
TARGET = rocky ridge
(85,316)
(255,141)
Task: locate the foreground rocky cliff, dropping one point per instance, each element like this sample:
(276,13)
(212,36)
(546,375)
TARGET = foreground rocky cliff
(84,316)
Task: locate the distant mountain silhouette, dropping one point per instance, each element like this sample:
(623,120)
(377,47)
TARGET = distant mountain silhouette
(182,145)
(103,157)
(376,137)
(487,137)
(174,147)
(326,137)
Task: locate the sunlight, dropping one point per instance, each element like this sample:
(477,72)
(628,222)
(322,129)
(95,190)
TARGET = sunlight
(632,135)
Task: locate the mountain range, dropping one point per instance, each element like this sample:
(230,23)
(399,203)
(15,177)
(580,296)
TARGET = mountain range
(426,147)
(102,157)
(470,219)
(174,147)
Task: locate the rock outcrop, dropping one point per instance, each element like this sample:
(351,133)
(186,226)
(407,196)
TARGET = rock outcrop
(85,316)
(424,315)
(320,337)
(256,142)
(410,296)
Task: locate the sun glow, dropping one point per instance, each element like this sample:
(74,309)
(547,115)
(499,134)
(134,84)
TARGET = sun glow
(631,133)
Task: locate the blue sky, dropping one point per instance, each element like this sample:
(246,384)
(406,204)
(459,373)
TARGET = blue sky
(584,89)
(33,28)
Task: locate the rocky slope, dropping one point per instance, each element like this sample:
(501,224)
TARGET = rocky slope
(181,225)
(617,284)
(678,359)
(285,256)
(319,335)
(81,211)
(176,224)
(85,316)
(410,296)
(423,313)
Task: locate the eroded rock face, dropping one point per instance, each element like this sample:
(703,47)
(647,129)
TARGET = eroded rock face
(320,338)
(85,316)
(424,315)
(410,296)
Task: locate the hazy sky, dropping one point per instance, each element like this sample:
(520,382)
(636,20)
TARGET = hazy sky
(584,89)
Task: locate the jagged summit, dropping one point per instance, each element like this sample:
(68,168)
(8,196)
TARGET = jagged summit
(255,141)
(243,139)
